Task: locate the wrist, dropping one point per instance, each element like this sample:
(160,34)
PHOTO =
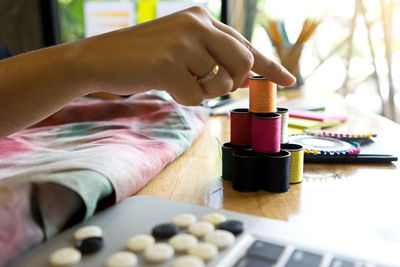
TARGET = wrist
(78,70)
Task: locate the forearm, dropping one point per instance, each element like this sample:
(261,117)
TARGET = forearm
(37,84)
(169,53)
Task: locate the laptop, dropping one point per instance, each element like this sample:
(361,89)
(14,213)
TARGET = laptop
(264,242)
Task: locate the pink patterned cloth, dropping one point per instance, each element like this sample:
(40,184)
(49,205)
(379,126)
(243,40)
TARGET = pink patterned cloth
(89,151)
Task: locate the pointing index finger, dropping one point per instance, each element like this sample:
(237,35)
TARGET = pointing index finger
(262,65)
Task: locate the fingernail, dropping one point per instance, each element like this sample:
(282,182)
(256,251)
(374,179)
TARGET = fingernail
(288,77)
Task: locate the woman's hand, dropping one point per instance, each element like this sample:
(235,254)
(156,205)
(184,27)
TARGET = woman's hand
(171,54)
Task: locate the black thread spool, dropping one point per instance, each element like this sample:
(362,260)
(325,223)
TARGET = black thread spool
(275,171)
(245,165)
(227,159)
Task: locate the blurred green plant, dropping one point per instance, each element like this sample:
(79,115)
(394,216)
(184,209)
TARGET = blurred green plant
(71,20)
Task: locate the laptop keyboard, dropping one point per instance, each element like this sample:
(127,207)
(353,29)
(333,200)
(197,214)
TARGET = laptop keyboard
(264,254)
(263,242)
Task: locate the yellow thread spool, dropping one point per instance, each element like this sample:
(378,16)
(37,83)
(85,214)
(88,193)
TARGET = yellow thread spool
(296,162)
(262,95)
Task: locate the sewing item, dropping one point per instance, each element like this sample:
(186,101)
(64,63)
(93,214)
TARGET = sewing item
(89,245)
(266,136)
(245,178)
(183,242)
(339,134)
(88,231)
(260,129)
(221,238)
(370,153)
(262,95)
(325,145)
(183,220)
(204,250)
(122,258)
(201,228)
(164,230)
(65,256)
(296,162)
(275,171)
(233,226)
(284,112)
(158,253)
(241,120)
(214,218)
(227,159)
(140,242)
(187,260)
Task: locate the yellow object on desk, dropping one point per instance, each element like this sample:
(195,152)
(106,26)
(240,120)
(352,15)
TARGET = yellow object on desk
(311,124)
(296,162)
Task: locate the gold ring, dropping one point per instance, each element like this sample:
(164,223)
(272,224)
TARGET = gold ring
(211,74)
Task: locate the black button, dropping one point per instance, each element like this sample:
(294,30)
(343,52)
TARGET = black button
(233,226)
(165,230)
(89,245)
(301,258)
(265,250)
(252,262)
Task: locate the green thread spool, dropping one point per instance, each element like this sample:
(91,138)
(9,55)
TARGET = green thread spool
(296,162)
(227,159)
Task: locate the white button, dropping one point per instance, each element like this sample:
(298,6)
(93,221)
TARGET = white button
(139,243)
(205,251)
(65,257)
(183,242)
(214,218)
(159,252)
(220,238)
(186,261)
(88,231)
(184,220)
(122,259)
(201,228)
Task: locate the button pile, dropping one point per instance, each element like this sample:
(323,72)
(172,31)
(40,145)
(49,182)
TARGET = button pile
(196,241)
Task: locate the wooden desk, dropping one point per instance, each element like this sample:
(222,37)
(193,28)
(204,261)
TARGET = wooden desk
(333,195)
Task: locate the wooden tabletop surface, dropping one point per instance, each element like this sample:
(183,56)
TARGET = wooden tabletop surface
(337,195)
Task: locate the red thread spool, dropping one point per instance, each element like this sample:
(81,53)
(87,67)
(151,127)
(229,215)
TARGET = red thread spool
(262,95)
(241,121)
(266,137)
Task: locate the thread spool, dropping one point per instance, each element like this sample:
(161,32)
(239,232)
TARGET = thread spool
(241,121)
(246,171)
(296,162)
(227,159)
(266,133)
(284,112)
(262,95)
(275,171)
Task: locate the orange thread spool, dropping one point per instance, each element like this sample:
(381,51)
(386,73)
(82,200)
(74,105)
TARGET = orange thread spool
(262,95)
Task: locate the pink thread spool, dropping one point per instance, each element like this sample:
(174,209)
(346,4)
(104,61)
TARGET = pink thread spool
(266,137)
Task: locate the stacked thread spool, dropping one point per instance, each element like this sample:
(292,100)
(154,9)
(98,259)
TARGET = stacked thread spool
(258,156)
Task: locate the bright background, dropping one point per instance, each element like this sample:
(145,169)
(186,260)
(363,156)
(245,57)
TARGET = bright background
(325,63)
(361,88)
